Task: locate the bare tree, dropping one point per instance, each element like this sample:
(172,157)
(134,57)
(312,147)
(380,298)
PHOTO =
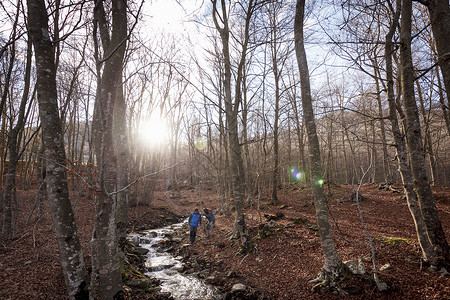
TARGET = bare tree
(231,111)
(14,146)
(333,267)
(106,281)
(440,18)
(414,143)
(71,256)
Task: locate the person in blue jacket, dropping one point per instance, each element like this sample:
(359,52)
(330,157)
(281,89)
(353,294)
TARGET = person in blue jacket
(195,219)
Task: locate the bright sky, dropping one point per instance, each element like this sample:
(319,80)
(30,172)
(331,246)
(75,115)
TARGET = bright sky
(172,16)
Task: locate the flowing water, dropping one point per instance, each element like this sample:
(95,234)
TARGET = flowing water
(167,268)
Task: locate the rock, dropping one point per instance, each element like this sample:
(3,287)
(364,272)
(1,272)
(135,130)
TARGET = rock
(301,221)
(177,240)
(385,268)
(238,288)
(140,283)
(206,253)
(203,273)
(135,240)
(231,274)
(142,250)
(152,234)
(356,266)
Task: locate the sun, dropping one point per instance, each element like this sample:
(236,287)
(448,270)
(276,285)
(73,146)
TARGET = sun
(154,131)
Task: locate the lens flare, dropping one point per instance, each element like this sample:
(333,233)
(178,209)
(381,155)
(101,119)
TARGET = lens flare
(296,174)
(200,143)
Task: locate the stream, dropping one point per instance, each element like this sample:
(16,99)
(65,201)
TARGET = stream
(162,265)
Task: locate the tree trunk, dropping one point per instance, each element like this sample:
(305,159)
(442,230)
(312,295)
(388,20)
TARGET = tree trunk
(106,281)
(440,18)
(71,256)
(123,164)
(14,146)
(415,143)
(333,267)
(231,112)
(428,142)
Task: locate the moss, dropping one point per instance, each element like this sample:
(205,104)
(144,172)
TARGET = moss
(394,240)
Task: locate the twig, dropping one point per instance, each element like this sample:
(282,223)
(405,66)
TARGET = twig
(34,227)
(38,195)
(145,176)
(335,222)
(380,285)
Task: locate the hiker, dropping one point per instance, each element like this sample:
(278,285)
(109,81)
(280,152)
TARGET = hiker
(211,220)
(195,219)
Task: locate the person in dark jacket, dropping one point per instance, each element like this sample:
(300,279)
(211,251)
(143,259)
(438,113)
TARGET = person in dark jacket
(195,220)
(211,220)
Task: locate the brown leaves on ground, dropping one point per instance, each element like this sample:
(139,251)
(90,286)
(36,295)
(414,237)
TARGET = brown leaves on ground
(282,263)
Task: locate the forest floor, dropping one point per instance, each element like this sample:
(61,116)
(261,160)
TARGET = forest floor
(280,266)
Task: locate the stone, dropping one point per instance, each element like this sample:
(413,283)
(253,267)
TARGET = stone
(141,283)
(385,268)
(238,288)
(356,266)
(142,250)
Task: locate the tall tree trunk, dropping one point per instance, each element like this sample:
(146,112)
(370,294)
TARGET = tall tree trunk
(106,281)
(440,18)
(386,170)
(71,256)
(231,112)
(123,163)
(428,142)
(14,146)
(333,267)
(414,140)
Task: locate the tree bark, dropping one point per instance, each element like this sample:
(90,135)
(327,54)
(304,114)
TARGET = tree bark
(440,18)
(71,256)
(333,267)
(415,143)
(14,146)
(106,281)
(231,112)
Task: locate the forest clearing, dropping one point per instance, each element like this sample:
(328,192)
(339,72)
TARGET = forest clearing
(280,267)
